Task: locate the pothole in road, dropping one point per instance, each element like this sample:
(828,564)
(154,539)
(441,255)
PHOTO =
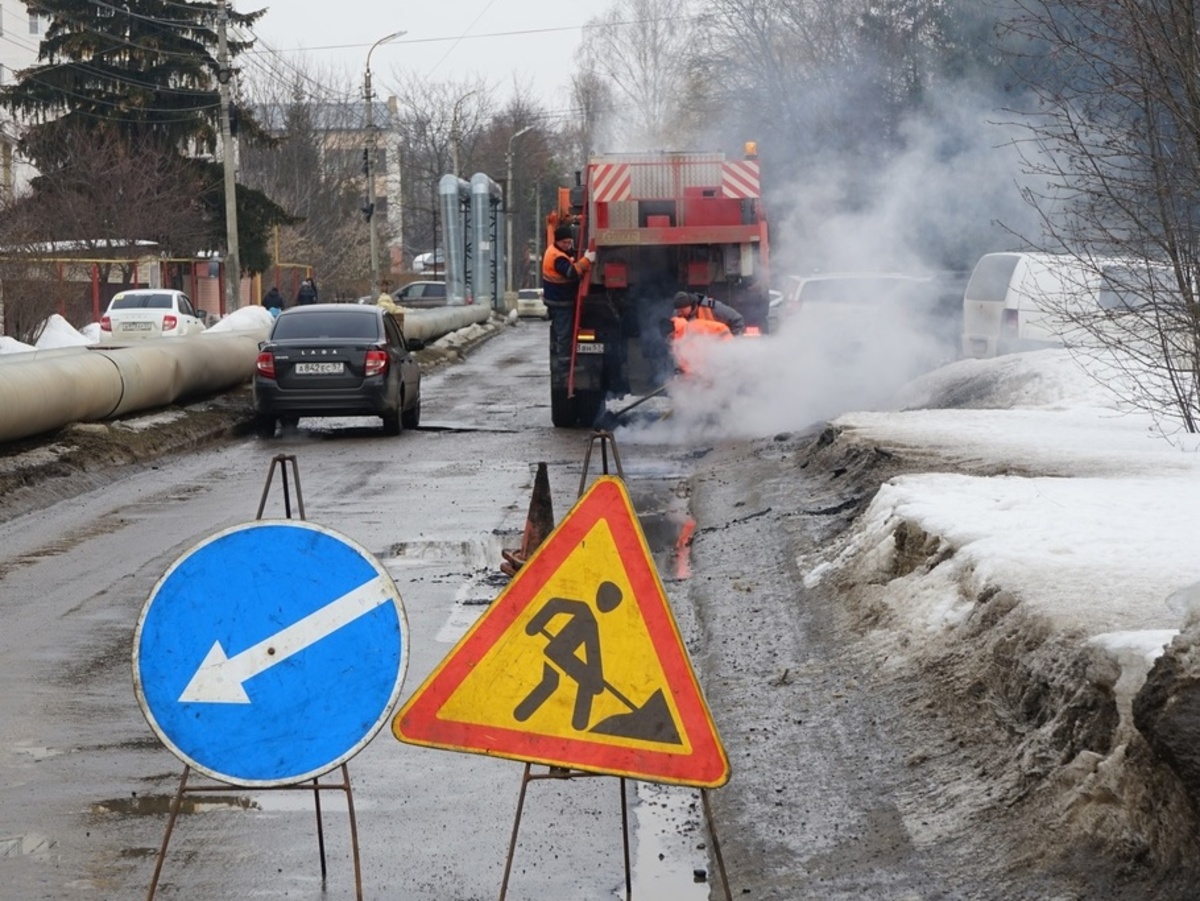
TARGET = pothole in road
(156,805)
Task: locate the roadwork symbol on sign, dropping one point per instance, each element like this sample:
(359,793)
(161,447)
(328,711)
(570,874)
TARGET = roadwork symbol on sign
(578,663)
(270,653)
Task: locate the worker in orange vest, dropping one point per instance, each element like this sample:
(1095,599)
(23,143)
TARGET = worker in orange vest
(699,306)
(561,274)
(690,339)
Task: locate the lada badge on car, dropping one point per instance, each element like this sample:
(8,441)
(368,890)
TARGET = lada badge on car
(319,368)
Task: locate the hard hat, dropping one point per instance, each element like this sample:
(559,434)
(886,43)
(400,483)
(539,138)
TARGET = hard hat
(683,299)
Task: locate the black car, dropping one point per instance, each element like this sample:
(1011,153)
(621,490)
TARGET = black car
(337,360)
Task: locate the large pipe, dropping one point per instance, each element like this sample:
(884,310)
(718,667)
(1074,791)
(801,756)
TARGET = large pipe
(429,325)
(51,389)
(488,249)
(455,194)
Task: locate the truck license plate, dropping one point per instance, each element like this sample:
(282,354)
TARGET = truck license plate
(319,368)
(589,347)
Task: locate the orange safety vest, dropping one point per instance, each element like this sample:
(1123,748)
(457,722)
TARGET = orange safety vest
(554,283)
(686,331)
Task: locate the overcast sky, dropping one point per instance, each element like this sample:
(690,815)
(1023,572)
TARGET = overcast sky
(532,42)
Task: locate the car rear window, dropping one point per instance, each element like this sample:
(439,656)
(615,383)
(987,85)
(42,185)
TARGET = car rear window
(141,302)
(328,324)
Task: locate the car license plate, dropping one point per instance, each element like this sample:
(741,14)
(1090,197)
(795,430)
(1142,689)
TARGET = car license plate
(319,368)
(137,326)
(589,347)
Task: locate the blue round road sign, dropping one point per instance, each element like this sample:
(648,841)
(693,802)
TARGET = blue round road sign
(270,653)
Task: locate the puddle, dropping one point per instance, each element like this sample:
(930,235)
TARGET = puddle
(670,861)
(156,805)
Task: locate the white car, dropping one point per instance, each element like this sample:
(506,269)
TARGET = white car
(531,305)
(149,313)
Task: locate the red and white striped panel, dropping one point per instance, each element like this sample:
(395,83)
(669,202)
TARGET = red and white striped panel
(611,182)
(739,179)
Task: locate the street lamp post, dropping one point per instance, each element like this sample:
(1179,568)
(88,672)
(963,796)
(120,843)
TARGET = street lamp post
(454,135)
(369,159)
(508,244)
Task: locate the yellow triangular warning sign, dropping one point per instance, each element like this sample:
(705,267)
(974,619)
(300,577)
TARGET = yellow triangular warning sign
(578,663)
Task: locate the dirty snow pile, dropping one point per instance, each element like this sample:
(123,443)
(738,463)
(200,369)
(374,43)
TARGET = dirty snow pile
(1084,511)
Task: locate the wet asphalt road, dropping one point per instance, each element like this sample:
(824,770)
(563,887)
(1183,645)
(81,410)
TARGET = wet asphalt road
(86,783)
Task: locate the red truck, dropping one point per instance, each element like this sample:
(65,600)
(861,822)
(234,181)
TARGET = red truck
(659,223)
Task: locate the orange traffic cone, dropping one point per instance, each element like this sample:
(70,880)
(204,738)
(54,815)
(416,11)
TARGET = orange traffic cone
(538,524)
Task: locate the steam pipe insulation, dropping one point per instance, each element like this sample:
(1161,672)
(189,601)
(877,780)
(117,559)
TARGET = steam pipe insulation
(41,395)
(454,195)
(488,264)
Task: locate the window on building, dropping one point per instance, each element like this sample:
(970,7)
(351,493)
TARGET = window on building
(34,24)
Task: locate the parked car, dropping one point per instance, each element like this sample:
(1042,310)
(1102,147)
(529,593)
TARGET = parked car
(142,313)
(530,304)
(421,295)
(337,360)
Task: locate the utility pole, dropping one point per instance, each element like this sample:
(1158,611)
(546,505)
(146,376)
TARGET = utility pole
(372,143)
(508,218)
(233,267)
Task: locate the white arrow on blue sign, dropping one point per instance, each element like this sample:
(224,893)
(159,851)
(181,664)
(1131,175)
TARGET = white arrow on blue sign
(270,653)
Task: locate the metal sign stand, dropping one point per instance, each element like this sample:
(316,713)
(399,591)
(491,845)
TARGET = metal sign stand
(280,461)
(606,441)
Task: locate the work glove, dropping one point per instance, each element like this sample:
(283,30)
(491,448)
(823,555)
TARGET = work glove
(590,256)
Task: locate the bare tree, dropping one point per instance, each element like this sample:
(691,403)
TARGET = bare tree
(643,51)
(438,122)
(316,173)
(1116,140)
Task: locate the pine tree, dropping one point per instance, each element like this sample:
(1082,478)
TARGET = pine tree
(144,72)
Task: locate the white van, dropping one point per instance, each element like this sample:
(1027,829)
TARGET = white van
(1028,301)
(1011,301)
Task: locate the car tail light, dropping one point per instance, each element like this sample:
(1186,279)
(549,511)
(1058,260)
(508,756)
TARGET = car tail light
(265,364)
(169,322)
(377,362)
(1009,323)
(105,324)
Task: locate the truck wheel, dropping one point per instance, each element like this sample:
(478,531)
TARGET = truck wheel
(579,411)
(562,411)
(588,405)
